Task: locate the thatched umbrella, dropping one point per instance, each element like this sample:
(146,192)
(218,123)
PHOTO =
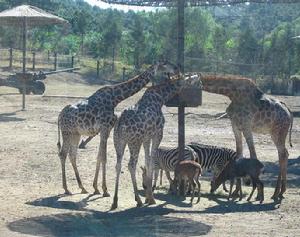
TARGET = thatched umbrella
(24,16)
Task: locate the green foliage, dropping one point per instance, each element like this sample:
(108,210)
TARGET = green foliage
(248,39)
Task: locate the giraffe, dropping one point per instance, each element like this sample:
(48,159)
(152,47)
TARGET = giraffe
(143,125)
(96,115)
(250,111)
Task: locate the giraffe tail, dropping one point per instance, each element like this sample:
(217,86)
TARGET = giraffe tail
(291,126)
(290,136)
(58,131)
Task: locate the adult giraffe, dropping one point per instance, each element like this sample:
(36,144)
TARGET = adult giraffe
(251,110)
(96,114)
(143,125)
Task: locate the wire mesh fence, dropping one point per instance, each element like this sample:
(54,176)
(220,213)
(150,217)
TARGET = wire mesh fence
(35,60)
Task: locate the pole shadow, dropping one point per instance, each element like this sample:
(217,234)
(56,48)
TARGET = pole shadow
(55,202)
(134,222)
(10,117)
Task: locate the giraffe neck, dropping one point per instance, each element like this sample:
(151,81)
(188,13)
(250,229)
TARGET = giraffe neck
(126,89)
(160,94)
(237,89)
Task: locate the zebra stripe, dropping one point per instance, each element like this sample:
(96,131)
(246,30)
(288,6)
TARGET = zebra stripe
(213,157)
(166,158)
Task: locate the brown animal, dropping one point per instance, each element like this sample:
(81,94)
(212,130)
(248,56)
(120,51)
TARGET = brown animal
(188,170)
(95,115)
(251,111)
(143,125)
(238,169)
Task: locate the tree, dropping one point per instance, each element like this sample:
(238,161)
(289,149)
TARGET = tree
(137,40)
(248,49)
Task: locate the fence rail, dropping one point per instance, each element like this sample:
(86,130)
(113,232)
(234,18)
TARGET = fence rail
(12,58)
(45,60)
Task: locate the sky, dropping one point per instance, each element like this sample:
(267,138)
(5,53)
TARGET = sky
(119,7)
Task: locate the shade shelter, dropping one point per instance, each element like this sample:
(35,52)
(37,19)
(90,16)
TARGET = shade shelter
(181,4)
(27,16)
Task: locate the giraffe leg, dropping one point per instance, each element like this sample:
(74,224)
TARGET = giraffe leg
(146,145)
(155,144)
(161,176)
(238,140)
(279,138)
(283,168)
(72,156)
(249,139)
(101,158)
(134,149)
(63,155)
(156,173)
(281,181)
(120,147)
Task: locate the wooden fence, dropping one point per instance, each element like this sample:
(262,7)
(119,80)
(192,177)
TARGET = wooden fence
(51,61)
(12,58)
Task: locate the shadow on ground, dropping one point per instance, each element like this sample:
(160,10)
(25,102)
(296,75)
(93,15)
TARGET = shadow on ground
(148,221)
(272,169)
(10,117)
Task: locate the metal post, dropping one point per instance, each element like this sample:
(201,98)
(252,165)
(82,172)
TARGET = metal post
(24,61)
(180,62)
(10,57)
(113,60)
(55,61)
(98,68)
(33,61)
(72,61)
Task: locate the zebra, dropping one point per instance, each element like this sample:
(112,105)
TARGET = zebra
(209,157)
(213,157)
(166,159)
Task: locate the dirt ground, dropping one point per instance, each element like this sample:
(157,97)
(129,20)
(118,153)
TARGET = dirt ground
(31,203)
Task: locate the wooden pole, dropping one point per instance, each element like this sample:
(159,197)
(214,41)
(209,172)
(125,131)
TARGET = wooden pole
(98,68)
(180,62)
(72,61)
(10,57)
(113,60)
(24,60)
(33,61)
(55,61)
(123,77)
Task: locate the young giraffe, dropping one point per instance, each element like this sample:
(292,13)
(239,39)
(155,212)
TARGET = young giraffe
(143,124)
(251,110)
(96,114)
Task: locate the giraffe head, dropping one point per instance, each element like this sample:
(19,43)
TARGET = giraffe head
(169,88)
(192,80)
(164,70)
(236,88)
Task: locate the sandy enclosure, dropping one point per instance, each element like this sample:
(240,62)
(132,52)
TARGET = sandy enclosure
(31,203)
